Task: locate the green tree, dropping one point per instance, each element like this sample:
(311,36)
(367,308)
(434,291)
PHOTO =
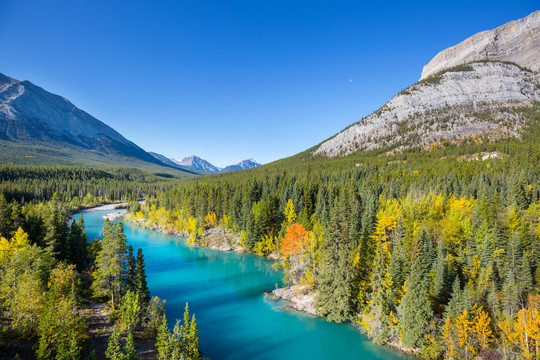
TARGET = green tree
(114,346)
(130,351)
(5,217)
(336,296)
(162,340)
(130,311)
(141,285)
(131,274)
(415,307)
(110,262)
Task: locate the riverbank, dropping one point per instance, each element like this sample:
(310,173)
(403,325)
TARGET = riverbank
(216,238)
(119,207)
(299,297)
(103,207)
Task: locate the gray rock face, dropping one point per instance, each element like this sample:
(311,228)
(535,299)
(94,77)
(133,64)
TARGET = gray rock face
(517,41)
(450,105)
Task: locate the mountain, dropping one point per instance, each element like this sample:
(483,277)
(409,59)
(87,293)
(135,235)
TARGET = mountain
(473,94)
(196,163)
(163,159)
(39,127)
(242,165)
(199,164)
(516,41)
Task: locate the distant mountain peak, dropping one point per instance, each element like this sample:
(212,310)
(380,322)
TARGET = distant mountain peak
(242,165)
(197,163)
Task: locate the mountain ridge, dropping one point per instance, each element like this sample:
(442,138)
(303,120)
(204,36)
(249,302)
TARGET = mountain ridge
(37,126)
(482,98)
(242,165)
(197,163)
(516,41)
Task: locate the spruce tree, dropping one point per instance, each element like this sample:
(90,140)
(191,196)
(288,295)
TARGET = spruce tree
(114,346)
(82,245)
(140,278)
(457,302)
(5,218)
(192,352)
(131,272)
(185,329)
(162,340)
(524,276)
(130,352)
(336,296)
(415,307)
(110,262)
(441,281)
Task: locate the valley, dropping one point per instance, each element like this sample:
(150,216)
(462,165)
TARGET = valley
(411,233)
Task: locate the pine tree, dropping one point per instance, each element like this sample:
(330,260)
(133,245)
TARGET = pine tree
(110,262)
(76,245)
(131,272)
(415,307)
(336,295)
(175,343)
(114,346)
(524,276)
(162,340)
(193,351)
(140,278)
(130,352)
(56,230)
(457,302)
(442,280)
(185,329)
(5,218)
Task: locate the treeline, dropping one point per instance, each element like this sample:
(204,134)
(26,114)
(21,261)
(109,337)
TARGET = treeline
(50,276)
(426,251)
(79,185)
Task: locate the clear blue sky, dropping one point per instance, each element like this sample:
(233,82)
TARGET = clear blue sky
(229,80)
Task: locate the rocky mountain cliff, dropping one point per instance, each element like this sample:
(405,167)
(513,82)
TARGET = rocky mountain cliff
(482,98)
(517,41)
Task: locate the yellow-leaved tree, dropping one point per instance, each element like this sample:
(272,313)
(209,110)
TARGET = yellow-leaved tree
(523,330)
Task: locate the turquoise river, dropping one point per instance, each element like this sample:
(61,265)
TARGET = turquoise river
(225,290)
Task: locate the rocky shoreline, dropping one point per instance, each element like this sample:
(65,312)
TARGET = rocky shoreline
(115,215)
(299,297)
(216,238)
(112,206)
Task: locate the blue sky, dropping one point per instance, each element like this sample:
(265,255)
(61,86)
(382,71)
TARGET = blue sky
(230,80)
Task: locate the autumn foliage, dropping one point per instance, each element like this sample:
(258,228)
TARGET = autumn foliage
(294,241)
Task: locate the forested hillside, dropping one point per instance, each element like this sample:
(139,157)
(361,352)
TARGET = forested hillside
(55,283)
(434,250)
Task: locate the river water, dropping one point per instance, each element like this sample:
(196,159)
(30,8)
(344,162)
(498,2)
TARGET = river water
(225,290)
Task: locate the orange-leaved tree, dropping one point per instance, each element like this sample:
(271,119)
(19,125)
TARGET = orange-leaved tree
(294,241)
